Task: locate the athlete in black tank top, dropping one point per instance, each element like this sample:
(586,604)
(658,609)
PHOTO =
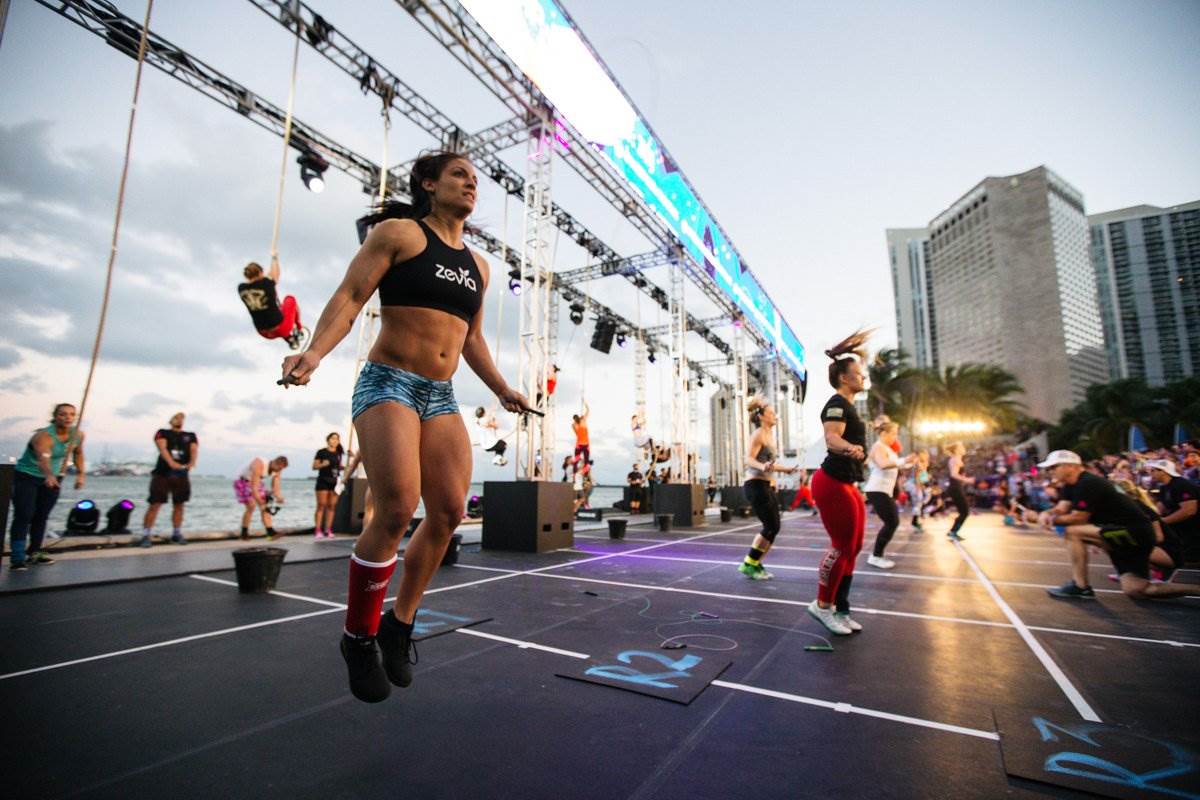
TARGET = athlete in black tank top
(439,277)
(419,265)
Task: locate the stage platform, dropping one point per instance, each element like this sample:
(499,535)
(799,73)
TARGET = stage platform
(179,686)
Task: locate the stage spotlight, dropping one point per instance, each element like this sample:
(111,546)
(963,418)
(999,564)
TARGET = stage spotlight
(514,281)
(577,310)
(118,517)
(83,519)
(621,339)
(699,383)
(650,357)
(475,507)
(312,168)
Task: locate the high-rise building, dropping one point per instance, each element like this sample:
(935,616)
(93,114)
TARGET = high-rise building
(1010,282)
(1147,264)
(908,250)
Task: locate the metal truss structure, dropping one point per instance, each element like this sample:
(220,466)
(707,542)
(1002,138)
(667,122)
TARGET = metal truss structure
(532,122)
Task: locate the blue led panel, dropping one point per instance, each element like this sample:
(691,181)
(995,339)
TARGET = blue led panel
(541,40)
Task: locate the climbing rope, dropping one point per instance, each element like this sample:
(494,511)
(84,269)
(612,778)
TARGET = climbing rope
(287,139)
(73,438)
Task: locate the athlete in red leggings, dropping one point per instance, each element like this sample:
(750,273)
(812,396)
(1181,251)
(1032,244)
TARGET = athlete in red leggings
(842,510)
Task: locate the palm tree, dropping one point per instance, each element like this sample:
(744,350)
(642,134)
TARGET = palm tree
(884,395)
(967,391)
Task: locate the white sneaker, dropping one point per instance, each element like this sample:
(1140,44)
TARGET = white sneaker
(845,620)
(880,562)
(826,617)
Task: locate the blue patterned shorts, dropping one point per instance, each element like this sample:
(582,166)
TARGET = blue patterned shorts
(379,383)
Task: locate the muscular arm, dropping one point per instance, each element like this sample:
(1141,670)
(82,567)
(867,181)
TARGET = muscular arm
(1187,510)
(40,443)
(193,452)
(475,350)
(390,240)
(752,450)
(835,442)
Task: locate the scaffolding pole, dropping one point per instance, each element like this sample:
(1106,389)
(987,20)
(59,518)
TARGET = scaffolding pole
(680,444)
(533,364)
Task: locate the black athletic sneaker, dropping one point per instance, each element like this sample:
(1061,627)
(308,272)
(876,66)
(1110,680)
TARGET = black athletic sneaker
(1071,590)
(398,649)
(368,682)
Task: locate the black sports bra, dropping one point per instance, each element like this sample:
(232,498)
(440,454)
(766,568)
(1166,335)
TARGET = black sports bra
(438,277)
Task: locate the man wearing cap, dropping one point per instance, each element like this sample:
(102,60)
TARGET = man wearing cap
(1095,513)
(1180,499)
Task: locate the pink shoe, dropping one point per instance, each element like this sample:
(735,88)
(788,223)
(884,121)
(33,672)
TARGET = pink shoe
(329,534)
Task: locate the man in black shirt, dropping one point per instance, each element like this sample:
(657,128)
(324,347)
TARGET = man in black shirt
(271,320)
(635,479)
(1180,499)
(1095,513)
(177,451)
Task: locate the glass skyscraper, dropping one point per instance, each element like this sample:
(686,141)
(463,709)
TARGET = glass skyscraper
(1147,265)
(1008,280)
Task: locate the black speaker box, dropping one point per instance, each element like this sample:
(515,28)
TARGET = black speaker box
(528,516)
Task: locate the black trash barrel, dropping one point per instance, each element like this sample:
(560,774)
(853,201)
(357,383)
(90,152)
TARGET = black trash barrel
(258,568)
(663,521)
(726,515)
(616,528)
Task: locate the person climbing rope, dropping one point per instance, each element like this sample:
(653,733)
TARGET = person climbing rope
(489,436)
(579,425)
(271,320)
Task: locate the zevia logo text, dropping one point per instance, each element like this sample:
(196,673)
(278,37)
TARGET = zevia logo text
(461,276)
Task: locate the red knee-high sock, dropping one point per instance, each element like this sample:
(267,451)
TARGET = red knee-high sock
(364,600)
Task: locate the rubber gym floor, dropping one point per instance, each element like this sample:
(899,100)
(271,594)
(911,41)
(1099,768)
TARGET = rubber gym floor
(181,687)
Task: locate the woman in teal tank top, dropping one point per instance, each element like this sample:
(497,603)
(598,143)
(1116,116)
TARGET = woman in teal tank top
(35,485)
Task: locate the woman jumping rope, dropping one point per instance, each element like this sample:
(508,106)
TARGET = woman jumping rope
(760,486)
(958,489)
(413,440)
(842,511)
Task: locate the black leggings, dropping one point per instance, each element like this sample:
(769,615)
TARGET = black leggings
(958,496)
(766,506)
(885,508)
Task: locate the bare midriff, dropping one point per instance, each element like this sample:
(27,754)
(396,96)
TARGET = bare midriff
(424,341)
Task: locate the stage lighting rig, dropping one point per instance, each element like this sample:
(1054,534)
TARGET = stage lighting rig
(118,517)
(577,310)
(83,519)
(312,168)
(514,281)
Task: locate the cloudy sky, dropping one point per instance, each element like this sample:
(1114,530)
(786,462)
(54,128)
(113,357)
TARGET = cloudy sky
(808,128)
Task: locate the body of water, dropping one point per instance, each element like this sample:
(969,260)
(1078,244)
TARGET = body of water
(213,506)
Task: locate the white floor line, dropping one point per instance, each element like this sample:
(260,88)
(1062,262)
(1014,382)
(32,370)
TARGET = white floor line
(1064,683)
(156,645)
(332,607)
(520,643)
(847,708)
(870,573)
(288,595)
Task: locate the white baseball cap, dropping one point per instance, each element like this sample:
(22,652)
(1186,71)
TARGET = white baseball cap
(1165,464)
(1060,457)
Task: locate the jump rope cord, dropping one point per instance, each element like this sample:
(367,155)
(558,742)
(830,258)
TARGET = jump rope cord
(287,140)
(701,618)
(500,294)
(73,438)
